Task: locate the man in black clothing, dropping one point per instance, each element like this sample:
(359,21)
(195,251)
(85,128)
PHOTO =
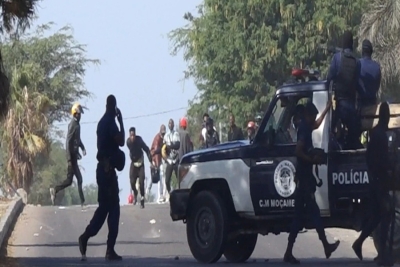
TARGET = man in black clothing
(305,202)
(73,144)
(378,163)
(235,133)
(110,157)
(212,138)
(136,146)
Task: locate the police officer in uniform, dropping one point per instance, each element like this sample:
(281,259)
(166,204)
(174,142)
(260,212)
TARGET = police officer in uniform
(378,163)
(109,157)
(306,186)
(370,77)
(73,144)
(344,72)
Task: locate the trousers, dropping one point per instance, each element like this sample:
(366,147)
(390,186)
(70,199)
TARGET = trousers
(380,211)
(108,198)
(168,174)
(73,169)
(134,174)
(346,112)
(305,204)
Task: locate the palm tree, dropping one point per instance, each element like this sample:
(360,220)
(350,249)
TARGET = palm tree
(26,129)
(381,25)
(15,17)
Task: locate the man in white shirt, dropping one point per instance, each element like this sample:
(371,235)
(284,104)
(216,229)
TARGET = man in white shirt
(172,140)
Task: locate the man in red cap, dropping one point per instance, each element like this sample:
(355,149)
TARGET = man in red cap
(251,130)
(186,143)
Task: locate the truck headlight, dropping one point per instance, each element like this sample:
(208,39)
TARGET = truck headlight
(183,169)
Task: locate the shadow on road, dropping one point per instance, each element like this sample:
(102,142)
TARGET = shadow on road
(93,244)
(173,261)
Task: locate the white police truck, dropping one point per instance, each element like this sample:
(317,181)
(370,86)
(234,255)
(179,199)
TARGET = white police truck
(232,192)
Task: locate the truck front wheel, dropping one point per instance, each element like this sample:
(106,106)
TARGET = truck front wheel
(240,248)
(207,227)
(396,234)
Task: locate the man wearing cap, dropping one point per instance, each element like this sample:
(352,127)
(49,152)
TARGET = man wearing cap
(109,157)
(158,162)
(344,72)
(370,77)
(186,143)
(73,144)
(251,130)
(306,186)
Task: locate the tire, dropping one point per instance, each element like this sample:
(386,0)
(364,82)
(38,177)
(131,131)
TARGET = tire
(207,227)
(396,235)
(240,248)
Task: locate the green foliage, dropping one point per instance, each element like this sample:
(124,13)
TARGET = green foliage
(57,61)
(239,51)
(52,170)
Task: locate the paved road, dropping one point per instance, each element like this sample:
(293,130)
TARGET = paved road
(47,236)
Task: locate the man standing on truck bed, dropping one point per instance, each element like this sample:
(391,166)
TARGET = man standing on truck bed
(344,72)
(370,77)
(235,133)
(136,146)
(306,186)
(378,164)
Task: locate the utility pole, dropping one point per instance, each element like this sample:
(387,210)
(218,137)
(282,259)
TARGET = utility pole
(220,125)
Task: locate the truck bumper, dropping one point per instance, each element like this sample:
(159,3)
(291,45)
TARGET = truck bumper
(179,200)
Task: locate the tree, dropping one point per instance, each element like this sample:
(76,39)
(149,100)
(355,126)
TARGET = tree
(239,51)
(381,25)
(59,59)
(16,16)
(46,75)
(26,127)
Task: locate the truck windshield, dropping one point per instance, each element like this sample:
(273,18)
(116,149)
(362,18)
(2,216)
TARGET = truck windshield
(281,119)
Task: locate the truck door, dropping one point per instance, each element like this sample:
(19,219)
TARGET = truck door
(272,170)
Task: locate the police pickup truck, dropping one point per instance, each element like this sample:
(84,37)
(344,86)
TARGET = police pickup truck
(232,192)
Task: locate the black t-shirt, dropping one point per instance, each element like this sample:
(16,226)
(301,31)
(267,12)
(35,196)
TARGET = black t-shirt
(304,169)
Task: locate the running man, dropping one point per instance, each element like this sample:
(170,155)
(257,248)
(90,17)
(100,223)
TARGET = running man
(73,144)
(136,146)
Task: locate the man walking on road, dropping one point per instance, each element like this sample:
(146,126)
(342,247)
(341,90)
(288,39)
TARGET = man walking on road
(109,158)
(136,146)
(235,133)
(158,162)
(305,202)
(378,163)
(186,144)
(73,144)
(173,144)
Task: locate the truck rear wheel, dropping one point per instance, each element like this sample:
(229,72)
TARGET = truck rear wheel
(396,235)
(207,227)
(240,248)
